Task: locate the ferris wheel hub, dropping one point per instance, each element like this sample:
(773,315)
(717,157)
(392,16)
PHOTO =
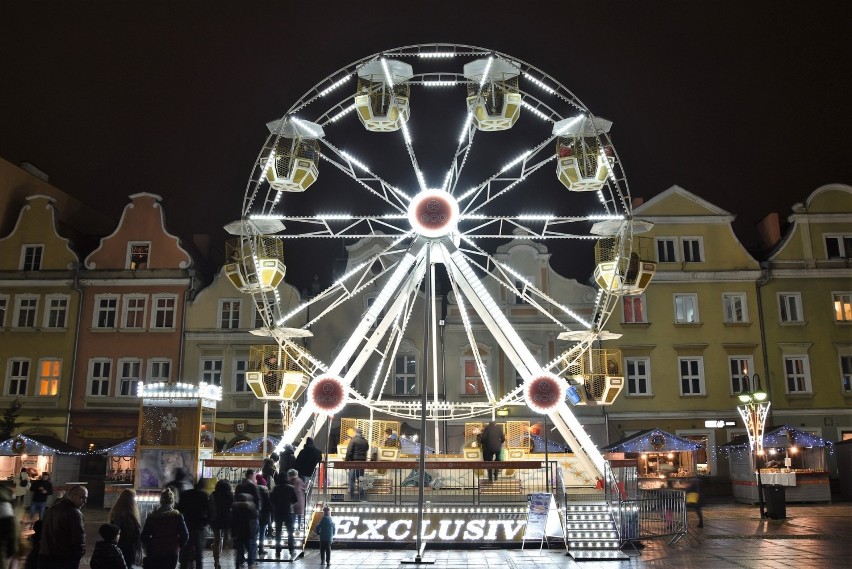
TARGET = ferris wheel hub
(433,213)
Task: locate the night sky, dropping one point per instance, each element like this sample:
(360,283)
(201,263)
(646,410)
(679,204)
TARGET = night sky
(743,103)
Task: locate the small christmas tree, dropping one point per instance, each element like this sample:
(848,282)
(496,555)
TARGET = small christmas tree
(9,423)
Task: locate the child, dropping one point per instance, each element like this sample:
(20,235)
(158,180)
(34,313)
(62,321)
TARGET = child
(35,540)
(107,555)
(325,529)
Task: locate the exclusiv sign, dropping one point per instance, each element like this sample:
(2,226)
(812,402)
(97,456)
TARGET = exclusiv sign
(438,527)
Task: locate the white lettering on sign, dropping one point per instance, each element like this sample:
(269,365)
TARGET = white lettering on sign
(399,527)
(372,529)
(393,528)
(475,529)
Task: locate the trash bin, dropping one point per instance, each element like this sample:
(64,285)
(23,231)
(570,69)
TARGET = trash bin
(776,501)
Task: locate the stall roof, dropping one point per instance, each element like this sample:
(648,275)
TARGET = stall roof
(652,440)
(37,445)
(253,446)
(127,448)
(783,436)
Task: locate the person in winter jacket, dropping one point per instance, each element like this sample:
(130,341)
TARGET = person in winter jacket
(221,502)
(195,507)
(299,507)
(63,540)
(264,515)
(9,528)
(42,489)
(309,457)
(35,545)
(22,486)
(180,484)
(244,529)
(248,485)
(163,534)
(283,499)
(107,555)
(325,530)
(270,469)
(287,460)
(492,443)
(357,450)
(125,515)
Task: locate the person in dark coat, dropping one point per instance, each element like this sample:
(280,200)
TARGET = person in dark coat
(357,450)
(264,515)
(63,541)
(248,485)
(42,489)
(244,529)
(180,484)
(492,443)
(195,507)
(35,545)
(325,530)
(107,555)
(221,502)
(306,463)
(9,528)
(163,534)
(283,498)
(270,469)
(288,459)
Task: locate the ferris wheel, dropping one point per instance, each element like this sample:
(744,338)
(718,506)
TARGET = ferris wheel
(441,149)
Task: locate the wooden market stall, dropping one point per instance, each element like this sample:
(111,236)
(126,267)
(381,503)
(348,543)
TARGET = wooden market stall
(665,460)
(39,453)
(120,470)
(793,458)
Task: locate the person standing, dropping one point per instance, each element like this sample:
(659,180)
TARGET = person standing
(299,506)
(221,502)
(125,515)
(42,489)
(309,457)
(163,534)
(694,499)
(195,507)
(288,459)
(244,530)
(269,469)
(492,443)
(283,498)
(248,485)
(180,484)
(9,528)
(107,555)
(357,450)
(63,541)
(264,515)
(22,486)
(325,530)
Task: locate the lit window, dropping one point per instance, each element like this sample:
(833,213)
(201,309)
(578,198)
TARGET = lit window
(49,372)
(790,306)
(843,306)
(473,384)
(634,309)
(18,375)
(134,311)
(691,248)
(240,367)
(137,255)
(31,257)
(666,249)
(638,376)
(26,307)
(57,311)
(164,311)
(846,373)
(691,372)
(738,367)
(159,370)
(211,370)
(735,307)
(229,314)
(405,375)
(105,311)
(798,374)
(100,371)
(686,308)
(838,246)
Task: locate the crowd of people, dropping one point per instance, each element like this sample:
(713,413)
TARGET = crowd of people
(260,506)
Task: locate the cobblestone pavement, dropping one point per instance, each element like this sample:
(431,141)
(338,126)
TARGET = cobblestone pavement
(733,537)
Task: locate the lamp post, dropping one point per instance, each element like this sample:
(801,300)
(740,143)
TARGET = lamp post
(754,409)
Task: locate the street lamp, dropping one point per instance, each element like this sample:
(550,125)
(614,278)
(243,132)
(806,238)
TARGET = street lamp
(754,409)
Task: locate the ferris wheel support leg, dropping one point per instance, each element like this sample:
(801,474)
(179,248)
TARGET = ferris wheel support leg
(575,435)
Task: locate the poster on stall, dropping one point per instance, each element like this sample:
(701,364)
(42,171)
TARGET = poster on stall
(542,517)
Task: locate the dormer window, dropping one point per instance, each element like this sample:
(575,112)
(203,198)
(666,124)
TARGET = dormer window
(838,246)
(31,257)
(137,255)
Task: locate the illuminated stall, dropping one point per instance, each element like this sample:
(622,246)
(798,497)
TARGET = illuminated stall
(793,458)
(120,470)
(665,460)
(38,453)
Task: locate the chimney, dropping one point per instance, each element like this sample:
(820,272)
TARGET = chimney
(769,231)
(638,201)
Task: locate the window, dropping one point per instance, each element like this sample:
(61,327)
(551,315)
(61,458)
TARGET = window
(843,306)
(472,380)
(100,370)
(405,375)
(49,371)
(666,249)
(18,375)
(691,372)
(31,257)
(56,315)
(739,366)
(735,307)
(846,373)
(691,247)
(686,308)
(26,306)
(520,286)
(258,319)
(790,306)
(369,303)
(638,371)
(4,303)
(106,308)
(129,374)
(211,370)
(240,366)
(634,309)
(229,313)
(798,374)
(134,311)
(838,246)
(164,311)
(137,255)
(159,370)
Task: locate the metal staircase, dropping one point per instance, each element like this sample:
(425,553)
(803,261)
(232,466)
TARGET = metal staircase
(591,532)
